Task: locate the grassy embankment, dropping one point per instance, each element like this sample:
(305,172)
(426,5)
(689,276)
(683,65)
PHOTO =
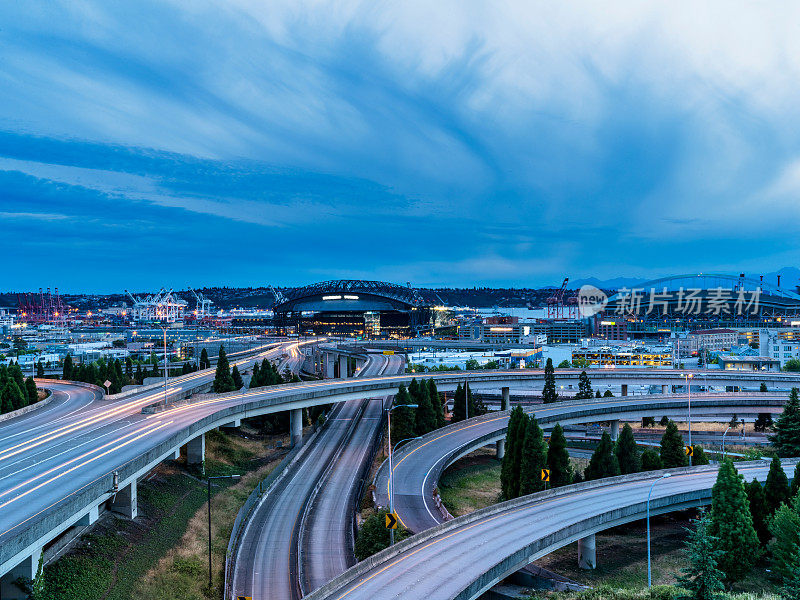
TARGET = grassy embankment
(164,553)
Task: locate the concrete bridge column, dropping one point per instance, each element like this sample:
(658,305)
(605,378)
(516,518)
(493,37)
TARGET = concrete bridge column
(233,424)
(89,518)
(296,426)
(196,450)
(330,365)
(500,445)
(27,569)
(506,401)
(343,366)
(125,501)
(666,389)
(587,553)
(624,389)
(614,430)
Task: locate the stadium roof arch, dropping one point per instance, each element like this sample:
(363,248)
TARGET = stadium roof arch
(351,295)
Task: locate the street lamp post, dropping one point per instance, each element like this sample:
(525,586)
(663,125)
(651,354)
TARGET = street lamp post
(689,390)
(723,442)
(391,468)
(165,365)
(650,493)
(208,479)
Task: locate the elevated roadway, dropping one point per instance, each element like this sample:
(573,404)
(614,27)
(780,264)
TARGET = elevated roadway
(59,477)
(463,558)
(419,464)
(267,563)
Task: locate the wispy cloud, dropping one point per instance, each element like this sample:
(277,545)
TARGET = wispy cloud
(450,143)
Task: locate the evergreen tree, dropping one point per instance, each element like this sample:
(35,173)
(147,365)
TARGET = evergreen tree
(702,579)
(776,489)
(223,382)
(6,404)
(436,403)
(651,460)
(763,422)
(597,394)
(40,369)
(732,524)
(476,405)
(425,415)
(558,458)
(30,391)
(372,536)
(763,387)
(533,460)
(785,528)
(413,390)
(584,387)
(603,462)
(67,372)
(128,367)
(139,375)
(791,584)
(509,470)
(403,420)
(673,453)
(795,481)
(699,456)
(459,405)
(627,452)
(787,429)
(205,362)
(549,394)
(608,394)
(237,378)
(255,376)
(758,509)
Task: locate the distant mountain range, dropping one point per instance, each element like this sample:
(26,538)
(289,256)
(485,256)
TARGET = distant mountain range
(790,279)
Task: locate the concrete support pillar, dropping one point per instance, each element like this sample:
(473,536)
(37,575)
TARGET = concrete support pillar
(177,454)
(500,445)
(343,370)
(125,502)
(196,450)
(587,553)
(89,518)
(330,364)
(666,389)
(614,430)
(624,389)
(505,403)
(27,569)
(296,426)
(233,424)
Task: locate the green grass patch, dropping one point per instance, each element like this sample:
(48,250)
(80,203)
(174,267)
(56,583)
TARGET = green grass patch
(468,486)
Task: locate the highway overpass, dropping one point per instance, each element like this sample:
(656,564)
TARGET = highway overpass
(462,558)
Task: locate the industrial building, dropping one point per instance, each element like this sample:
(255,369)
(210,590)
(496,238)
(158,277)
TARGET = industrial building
(353,308)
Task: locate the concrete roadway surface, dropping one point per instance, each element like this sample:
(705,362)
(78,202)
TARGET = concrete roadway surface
(419,464)
(267,561)
(45,456)
(328,524)
(464,557)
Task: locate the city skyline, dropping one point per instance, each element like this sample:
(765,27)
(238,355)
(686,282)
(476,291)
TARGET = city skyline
(235,145)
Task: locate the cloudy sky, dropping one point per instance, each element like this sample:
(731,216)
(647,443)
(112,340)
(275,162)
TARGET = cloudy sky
(449,143)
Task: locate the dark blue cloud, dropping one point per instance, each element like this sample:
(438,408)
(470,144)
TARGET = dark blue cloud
(147,145)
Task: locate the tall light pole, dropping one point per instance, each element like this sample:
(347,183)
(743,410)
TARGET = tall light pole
(723,442)
(165,364)
(650,493)
(391,468)
(689,389)
(208,480)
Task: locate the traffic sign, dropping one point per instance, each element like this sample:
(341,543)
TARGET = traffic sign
(388,352)
(545,474)
(391,520)
(689,451)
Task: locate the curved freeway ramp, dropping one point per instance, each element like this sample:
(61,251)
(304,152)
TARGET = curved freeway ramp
(419,464)
(464,557)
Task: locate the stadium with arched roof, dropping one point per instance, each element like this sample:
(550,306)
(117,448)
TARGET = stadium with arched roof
(372,309)
(699,301)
